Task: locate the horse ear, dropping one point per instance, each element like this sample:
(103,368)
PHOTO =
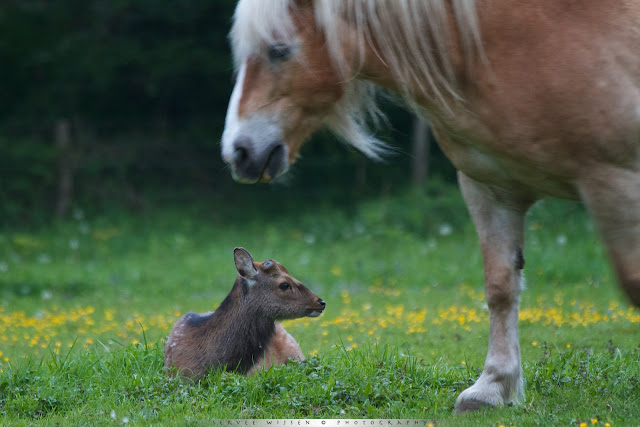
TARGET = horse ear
(244,263)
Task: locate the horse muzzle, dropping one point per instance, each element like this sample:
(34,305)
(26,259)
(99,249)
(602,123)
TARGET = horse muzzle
(252,163)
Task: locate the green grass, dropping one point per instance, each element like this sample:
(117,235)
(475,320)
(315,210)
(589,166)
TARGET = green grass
(86,304)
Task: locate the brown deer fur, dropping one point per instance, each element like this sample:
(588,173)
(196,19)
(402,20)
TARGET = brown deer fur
(243,334)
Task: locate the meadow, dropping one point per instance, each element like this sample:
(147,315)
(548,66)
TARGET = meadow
(85,306)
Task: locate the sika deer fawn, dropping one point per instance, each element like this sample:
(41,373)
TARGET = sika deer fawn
(243,334)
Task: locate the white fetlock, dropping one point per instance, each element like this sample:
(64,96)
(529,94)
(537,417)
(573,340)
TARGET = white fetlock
(492,390)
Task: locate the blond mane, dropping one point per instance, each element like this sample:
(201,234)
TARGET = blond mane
(414,38)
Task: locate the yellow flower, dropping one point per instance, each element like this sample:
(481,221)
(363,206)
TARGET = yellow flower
(535,343)
(346,297)
(583,424)
(594,421)
(336,271)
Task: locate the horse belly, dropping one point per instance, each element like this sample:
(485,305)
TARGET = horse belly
(550,159)
(547,145)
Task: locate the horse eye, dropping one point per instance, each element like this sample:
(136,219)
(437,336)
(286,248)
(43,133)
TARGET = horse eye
(279,52)
(284,286)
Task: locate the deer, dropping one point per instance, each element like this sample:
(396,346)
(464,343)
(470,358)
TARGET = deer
(244,333)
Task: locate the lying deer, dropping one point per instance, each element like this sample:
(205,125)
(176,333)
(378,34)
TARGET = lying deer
(243,334)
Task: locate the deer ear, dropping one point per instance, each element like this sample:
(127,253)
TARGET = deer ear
(244,263)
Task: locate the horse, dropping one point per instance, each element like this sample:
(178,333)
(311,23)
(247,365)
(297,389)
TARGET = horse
(527,99)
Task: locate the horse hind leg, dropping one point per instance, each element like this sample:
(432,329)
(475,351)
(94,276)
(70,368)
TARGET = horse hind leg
(499,220)
(612,196)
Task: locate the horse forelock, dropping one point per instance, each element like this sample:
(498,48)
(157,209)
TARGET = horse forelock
(258,23)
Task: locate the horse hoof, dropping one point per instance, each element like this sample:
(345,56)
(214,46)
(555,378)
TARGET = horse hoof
(472,405)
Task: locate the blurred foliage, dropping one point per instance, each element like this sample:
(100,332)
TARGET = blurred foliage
(144,87)
(28,174)
(123,61)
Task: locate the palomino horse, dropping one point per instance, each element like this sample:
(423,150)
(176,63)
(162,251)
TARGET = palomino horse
(527,99)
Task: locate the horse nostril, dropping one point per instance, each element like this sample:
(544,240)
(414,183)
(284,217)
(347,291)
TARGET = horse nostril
(322,303)
(275,161)
(242,152)
(277,150)
(240,155)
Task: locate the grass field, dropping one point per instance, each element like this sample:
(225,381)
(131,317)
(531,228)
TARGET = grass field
(86,305)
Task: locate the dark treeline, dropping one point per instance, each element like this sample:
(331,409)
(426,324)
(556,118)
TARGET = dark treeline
(122,102)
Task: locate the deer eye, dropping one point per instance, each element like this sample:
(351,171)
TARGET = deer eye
(278,52)
(285,286)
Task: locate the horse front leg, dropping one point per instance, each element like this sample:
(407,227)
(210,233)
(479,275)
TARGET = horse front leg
(498,216)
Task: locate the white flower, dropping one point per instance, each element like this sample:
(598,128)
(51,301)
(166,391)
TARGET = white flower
(74,244)
(78,214)
(44,259)
(84,228)
(445,229)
